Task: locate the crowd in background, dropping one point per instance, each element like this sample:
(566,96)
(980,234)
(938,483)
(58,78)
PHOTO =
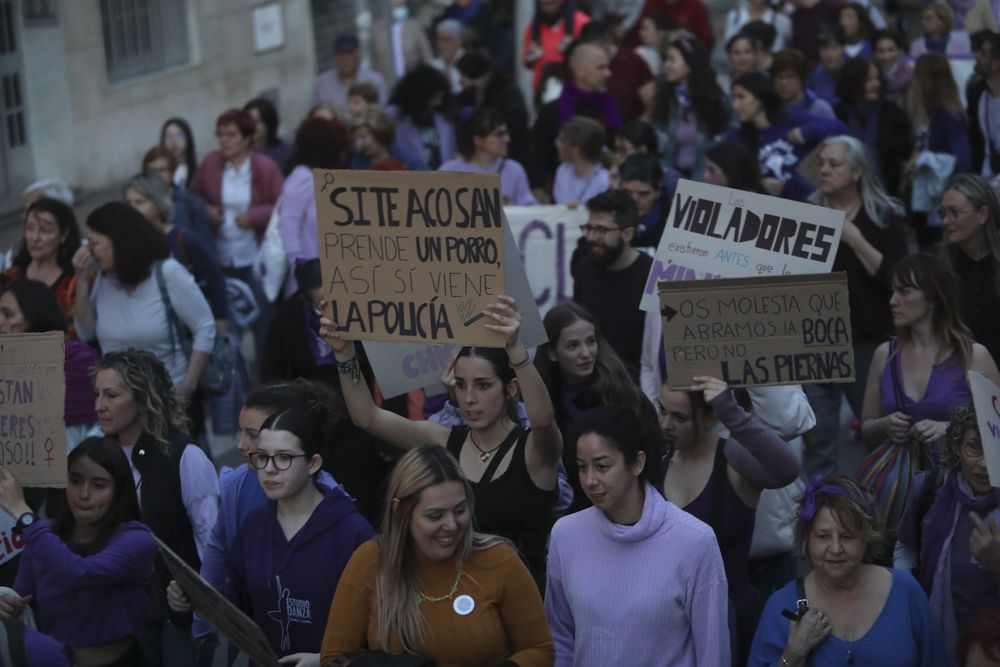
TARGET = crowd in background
(563,506)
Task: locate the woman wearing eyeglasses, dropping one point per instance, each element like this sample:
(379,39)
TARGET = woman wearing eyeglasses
(950,532)
(483,142)
(970,211)
(286,560)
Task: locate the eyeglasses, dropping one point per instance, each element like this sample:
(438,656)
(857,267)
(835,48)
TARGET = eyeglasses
(282,461)
(952,212)
(228,134)
(972,449)
(599,232)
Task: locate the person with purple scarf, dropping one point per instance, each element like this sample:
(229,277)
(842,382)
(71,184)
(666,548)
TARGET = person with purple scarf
(950,532)
(847,610)
(585,93)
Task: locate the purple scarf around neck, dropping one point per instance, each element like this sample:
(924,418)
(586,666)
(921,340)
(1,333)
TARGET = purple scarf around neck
(572,96)
(940,522)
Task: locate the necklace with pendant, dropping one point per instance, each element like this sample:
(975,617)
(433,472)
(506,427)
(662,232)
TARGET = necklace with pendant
(484,454)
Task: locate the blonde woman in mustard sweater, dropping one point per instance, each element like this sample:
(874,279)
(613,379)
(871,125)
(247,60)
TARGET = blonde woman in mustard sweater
(430,585)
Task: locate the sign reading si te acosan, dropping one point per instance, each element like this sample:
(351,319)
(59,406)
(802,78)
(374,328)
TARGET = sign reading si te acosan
(758,331)
(716,232)
(32,391)
(411,256)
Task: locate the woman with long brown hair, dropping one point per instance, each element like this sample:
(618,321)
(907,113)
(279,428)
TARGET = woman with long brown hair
(582,371)
(917,379)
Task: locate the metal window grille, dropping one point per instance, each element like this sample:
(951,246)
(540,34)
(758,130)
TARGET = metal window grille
(143,36)
(39,12)
(8,36)
(13,110)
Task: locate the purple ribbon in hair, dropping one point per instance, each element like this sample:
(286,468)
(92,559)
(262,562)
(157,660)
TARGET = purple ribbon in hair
(816,488)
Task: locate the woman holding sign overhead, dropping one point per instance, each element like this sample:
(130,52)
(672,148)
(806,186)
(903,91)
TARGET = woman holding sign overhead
(512,469)
(873,239)
(719,480)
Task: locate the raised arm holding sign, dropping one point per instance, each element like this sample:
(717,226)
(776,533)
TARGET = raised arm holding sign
(487,383)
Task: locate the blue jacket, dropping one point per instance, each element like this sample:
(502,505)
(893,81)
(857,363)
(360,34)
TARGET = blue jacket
(240,493)
(287,586)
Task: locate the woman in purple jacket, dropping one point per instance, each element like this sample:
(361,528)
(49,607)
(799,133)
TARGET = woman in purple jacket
(86,574)
(284,565)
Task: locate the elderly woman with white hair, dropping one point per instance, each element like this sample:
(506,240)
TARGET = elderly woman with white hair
(873,239)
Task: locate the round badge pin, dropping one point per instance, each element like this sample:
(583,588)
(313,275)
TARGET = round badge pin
(463,605)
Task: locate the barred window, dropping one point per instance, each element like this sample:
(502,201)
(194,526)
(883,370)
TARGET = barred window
(39,13)
(143,36)
(13,110)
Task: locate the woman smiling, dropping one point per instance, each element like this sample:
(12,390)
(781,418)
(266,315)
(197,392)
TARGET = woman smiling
(431,585)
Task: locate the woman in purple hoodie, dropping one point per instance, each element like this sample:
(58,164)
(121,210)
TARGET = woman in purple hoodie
(286,560)
(86,574)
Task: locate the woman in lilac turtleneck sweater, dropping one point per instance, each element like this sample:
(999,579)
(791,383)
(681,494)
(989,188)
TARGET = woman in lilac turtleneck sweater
(632,580)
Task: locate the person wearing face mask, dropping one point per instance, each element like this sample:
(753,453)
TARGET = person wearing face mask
(400,44)
(949,535)
(431,585)
(871,118)
(581,371)
(719,481)
(51,238)
(287,557)
(632,580)
(85,574)
(609,274)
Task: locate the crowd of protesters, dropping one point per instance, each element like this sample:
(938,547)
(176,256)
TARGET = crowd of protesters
(557,506)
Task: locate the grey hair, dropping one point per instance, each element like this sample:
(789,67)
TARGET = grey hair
(156,190)
(450,25)
(53,188)
(979,193)
(877,202)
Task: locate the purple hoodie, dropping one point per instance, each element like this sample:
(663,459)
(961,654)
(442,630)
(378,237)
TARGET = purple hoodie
(287,586)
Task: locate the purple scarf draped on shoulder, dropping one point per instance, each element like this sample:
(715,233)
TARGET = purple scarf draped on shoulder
(939,523)
(572,96)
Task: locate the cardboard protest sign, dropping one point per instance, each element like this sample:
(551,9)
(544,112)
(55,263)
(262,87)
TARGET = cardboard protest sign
(32,400)
(11,543)
(758,331)
(546,237)
(714,232)
(219,612)
(411,256)
(403,367)
(986,398)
